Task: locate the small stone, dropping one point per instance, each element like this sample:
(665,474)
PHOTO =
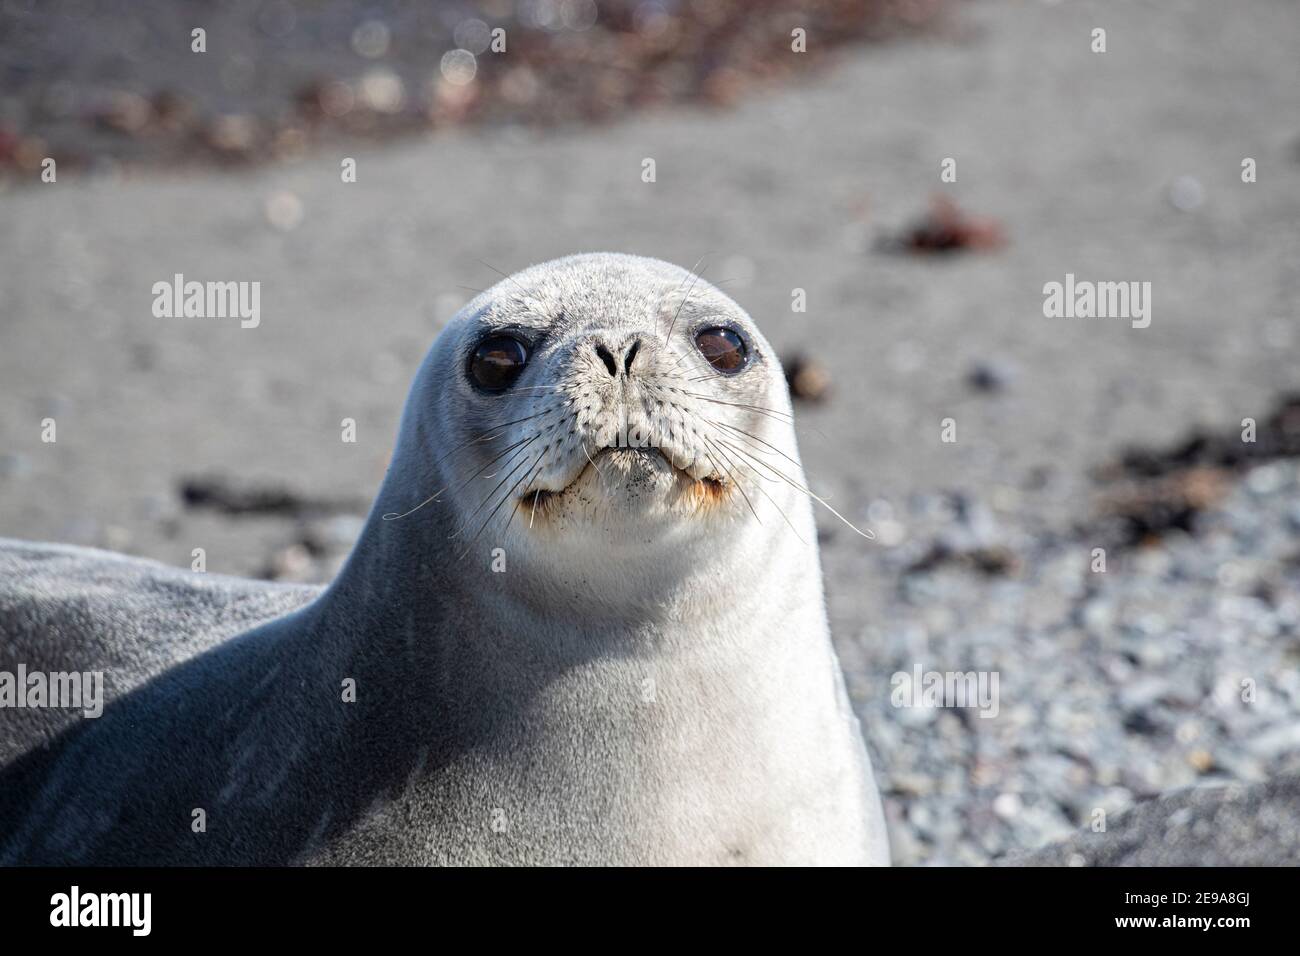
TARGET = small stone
(232,134)
(126,113)
(991,376)
(1200,760)
(284,211)
(808,379)
(911,784)
(1008,805)
(382,91)
(1186,193)
(947,228)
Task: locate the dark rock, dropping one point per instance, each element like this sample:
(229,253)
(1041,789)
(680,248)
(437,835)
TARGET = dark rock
(808,379)
(1233,825)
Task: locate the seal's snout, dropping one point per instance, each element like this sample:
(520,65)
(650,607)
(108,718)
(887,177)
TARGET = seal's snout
(617,361)
(607,358)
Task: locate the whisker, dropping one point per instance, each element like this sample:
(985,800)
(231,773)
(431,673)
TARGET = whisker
(393,515)
(697,366)
(788,419)
(491,494)
(680,359)
(528,418)
(507,496)
(518,501)
(820,500)
(521,289)
(685,299)
(739,486)
(749,459)
(495,459)
(504,498)
(764,491)
(592,460)
(761,441)
(767,412)
(485,437)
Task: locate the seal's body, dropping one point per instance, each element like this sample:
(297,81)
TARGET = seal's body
(583,624)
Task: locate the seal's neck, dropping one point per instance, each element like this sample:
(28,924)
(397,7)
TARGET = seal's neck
(514,675)
(416,571)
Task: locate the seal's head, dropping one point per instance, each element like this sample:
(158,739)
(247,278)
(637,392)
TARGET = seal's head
(606,401)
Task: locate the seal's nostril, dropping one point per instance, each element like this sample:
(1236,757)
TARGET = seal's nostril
(630,357)
(607,359)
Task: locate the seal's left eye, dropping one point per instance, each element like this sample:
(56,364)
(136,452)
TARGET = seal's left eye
(723,347)
(497,361)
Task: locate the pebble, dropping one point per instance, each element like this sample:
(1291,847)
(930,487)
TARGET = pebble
(284,210)
(1008,805)
(991,376)
(1186,194)
(808,379)
(1114,687)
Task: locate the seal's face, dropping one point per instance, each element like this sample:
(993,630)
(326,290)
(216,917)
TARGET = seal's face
(610,394)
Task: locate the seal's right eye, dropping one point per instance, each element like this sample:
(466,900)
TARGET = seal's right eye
(496,362)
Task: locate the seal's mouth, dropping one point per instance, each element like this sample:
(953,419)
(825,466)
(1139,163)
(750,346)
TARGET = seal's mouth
(707,489)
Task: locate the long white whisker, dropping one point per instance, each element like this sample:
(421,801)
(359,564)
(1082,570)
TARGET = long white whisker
(764,491)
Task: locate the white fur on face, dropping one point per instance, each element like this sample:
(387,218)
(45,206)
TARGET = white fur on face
(661,440)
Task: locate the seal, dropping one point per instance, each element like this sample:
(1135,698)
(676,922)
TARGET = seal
(583,624)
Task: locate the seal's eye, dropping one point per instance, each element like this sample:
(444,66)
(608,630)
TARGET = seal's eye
(724,349)
(496,362)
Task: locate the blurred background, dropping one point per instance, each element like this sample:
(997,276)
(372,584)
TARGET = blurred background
(776,171)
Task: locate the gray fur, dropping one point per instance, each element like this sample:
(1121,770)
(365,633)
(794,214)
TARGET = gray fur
(650,681)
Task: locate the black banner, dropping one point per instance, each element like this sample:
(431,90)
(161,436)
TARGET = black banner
(208,906)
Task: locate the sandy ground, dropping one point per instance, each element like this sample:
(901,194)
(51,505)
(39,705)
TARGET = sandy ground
(1074,152)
